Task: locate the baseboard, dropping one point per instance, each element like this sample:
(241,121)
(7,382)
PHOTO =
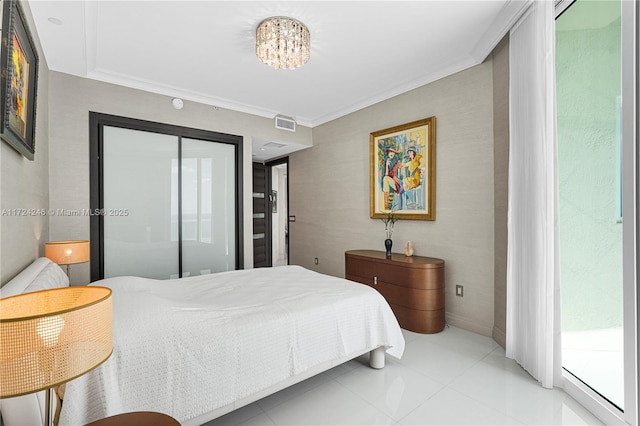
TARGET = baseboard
(500,336)
(467,324)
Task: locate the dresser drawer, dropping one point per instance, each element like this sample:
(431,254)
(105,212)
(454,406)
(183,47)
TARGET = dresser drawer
(424,279)
(366,269)
(412,298)
(419,321)
(419,278)
(426,300)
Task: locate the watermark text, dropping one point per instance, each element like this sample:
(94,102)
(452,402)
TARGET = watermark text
(24,212)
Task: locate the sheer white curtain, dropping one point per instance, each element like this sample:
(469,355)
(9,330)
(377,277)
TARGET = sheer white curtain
(533,302)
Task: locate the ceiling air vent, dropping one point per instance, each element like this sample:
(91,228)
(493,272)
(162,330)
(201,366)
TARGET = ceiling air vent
(274,145)
(285,123)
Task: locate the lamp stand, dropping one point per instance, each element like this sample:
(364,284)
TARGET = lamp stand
(47,405)
(44,341)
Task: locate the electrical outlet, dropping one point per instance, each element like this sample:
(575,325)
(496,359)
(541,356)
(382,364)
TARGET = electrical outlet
(315,260)
(459,290)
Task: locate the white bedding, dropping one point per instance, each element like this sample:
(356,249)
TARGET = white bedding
(188,347)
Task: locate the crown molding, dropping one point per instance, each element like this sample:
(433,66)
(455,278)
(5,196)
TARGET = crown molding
(508,16)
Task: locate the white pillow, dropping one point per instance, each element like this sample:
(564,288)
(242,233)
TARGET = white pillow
(50,277)
(40,275)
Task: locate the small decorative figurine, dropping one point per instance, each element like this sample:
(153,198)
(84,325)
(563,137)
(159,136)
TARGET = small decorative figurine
(408,249)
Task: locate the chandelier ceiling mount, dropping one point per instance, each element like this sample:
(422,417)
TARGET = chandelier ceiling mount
(282,42)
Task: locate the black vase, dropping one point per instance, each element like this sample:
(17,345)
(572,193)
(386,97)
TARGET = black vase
(388,243)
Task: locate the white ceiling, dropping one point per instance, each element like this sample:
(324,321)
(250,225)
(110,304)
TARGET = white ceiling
(362,52)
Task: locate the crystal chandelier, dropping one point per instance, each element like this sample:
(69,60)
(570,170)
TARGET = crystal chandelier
(282,43)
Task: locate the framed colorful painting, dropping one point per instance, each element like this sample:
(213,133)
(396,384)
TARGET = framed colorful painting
(403,171)
(19,64)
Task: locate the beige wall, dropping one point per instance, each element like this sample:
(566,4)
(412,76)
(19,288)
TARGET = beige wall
(500,183)
(71,100)
(329,191)
(25,184)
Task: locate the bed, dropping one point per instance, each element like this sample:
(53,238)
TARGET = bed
(197,348)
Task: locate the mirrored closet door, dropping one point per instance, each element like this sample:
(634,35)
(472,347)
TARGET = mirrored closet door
(166,200)
(138,182)
(208,207)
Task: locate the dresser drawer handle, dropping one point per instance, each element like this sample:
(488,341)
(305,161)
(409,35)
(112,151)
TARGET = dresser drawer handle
(375,280)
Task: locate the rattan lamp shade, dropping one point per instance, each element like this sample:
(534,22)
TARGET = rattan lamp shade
(50,337)
(67,252)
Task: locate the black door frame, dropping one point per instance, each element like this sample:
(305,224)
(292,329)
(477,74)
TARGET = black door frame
(270,164)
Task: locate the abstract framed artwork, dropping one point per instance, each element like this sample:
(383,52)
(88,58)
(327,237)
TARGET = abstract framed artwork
(19,64)
(402,160)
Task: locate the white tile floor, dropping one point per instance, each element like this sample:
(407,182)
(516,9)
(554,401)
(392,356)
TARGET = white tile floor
(451,378)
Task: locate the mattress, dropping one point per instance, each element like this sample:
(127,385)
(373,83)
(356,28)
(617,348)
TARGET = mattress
(190,346)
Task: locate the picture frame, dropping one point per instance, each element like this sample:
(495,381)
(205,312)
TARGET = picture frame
(274,201)
(402,162)
(19,81)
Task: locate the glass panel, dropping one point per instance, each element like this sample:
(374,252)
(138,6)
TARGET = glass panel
(279,215)
(208,207)
(588,73)
(137,167)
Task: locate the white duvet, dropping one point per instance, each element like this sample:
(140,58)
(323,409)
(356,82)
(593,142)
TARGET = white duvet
(187,347)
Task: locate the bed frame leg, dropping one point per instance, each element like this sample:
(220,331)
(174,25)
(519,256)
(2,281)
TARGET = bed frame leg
(376,358)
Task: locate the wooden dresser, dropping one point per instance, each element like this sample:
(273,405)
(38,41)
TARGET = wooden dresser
(413,286)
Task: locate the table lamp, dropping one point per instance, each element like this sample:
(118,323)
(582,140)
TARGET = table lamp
(52,336)
(67,252)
